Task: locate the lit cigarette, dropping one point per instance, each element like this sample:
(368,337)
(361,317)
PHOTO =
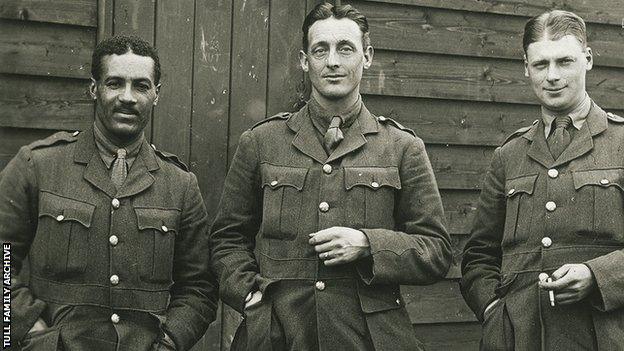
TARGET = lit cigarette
(551,294)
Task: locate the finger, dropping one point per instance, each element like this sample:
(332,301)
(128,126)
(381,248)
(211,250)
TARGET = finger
(560,272)
(334,261)
(320,237)
(327,246)
(562,283)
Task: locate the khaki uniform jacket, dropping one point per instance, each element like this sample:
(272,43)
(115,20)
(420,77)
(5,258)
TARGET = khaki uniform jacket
(536,214)
(283,186)
(59,207)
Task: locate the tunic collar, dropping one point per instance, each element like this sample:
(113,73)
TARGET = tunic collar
(108,150)
(578,115)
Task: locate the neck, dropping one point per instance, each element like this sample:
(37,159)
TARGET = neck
(119,142)
(568,110)
(339,106)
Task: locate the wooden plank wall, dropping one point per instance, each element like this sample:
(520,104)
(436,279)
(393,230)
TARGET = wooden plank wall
(452,70)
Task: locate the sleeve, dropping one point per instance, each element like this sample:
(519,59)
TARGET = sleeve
(233,232)
(482,254)
(194,297)
(607,270)
(18,225)
(419,251)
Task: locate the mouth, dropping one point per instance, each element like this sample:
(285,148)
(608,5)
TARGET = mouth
(125,113)
(554,90)
(334,76)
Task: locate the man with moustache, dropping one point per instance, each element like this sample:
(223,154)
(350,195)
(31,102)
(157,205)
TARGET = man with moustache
(327,211)
(543,267)
(115,230)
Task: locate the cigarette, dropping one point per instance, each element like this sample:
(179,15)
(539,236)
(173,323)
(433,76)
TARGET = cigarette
(551,294)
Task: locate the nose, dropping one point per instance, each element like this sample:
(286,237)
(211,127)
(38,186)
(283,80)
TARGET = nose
(553,73)
(333,60)
(127,96)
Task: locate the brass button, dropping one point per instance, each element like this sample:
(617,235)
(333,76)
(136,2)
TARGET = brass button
(113,240)
(398,301)
(324,206)
(604,181)
(327,168)
(546,241)
(511,191)
(274,183)
(375,185)
(551,206)
(115,318)
(114,279)
(115,203)
(164,228)
(60,218)
(553,173)
(319,285)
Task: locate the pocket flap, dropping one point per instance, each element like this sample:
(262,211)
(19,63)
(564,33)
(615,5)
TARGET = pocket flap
(372,177)
(161,219)
(278,176)
(379,298)
(65,209)
(600,177)
(519,185)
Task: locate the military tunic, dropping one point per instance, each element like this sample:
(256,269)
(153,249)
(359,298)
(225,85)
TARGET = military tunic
(109,269)
(536,214)
(281,187)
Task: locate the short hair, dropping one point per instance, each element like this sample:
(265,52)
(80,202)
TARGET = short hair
(326,10)
(554,25)
(119,45)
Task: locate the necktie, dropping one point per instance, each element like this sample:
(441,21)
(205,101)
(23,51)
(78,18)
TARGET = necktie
(120,169)
(333,136)
(560,138)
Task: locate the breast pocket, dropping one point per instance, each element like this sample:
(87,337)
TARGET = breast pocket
(602,188)
(519,207)
(64,226)
(159,227)
(281,205)
(371,193)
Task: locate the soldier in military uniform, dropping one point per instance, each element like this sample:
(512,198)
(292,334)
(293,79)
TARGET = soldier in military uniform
(327,211)
(115,230)
(543,267)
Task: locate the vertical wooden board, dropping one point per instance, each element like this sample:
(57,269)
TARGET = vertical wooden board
(135,17)
(105,12)
(449,336)
(286,84)
(211,91)
(249,67)
(12,139)
(174,40)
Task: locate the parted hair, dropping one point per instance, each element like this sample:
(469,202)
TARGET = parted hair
(554,25)
(326,10)
(119,45)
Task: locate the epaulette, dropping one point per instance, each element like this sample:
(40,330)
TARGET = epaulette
(395,124)
(281,115)
(56,138)
(170,158)
(615,118)
(520,131)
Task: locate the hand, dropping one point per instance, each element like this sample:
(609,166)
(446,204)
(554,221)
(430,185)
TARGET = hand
(489,307)
(340,245)
(571,283)
(253,298)
(38,326)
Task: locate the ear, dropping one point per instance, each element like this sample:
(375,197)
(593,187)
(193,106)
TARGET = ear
(157,94)
(526,67)
(303,61)
(93,89)
(368,57)
(590,58)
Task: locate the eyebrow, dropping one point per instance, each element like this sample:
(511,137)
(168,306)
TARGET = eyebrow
(135,80)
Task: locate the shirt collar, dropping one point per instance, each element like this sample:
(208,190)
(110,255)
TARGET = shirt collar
(578,115)
(108,150)
(321,117)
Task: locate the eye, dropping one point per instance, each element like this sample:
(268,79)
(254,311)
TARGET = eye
(319,52)
(539,65)
(142,87)
(346,49)
(113,84)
